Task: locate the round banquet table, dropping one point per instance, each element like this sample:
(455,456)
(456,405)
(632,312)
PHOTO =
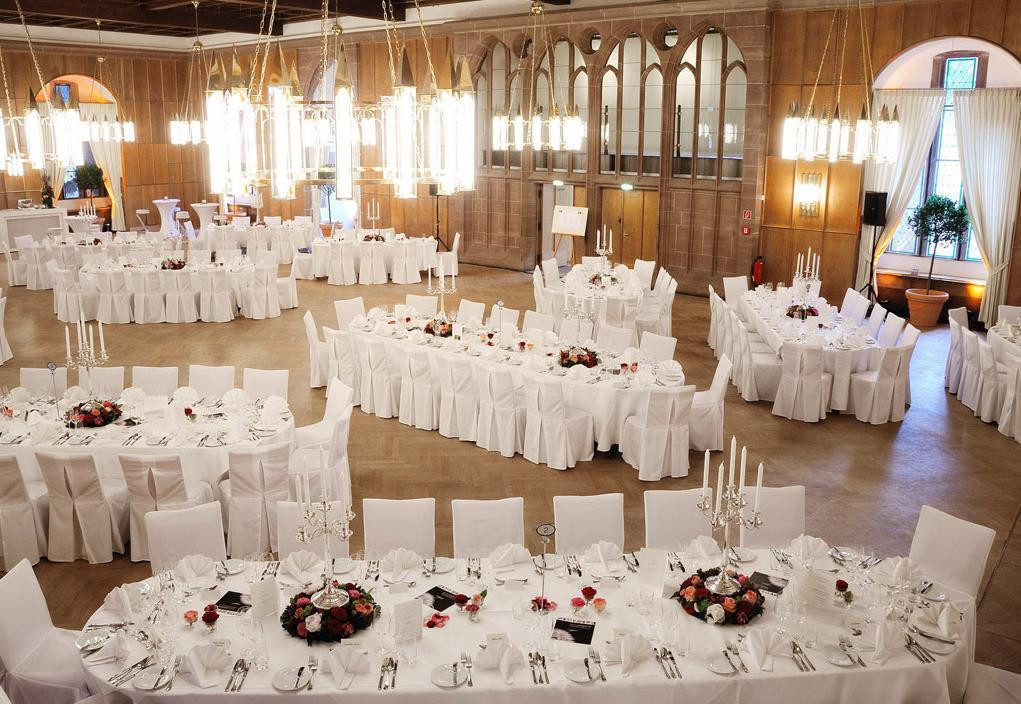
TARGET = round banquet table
(321,253)
(1004,343)
(606,400)
(843,354)
(199,458)
(901,678)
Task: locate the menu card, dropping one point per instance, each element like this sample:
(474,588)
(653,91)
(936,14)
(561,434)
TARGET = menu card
(234,603)
(439,598)
(768,582)
(652,568)
(408,621)
(265,599)
(574,630)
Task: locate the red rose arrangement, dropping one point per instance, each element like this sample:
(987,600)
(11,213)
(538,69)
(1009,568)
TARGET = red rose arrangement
(737,608)
(844,594)
(210,616)
(93,414)
(543,605)
(302,619)
(578,355)
(172,264)
(437,620)
(373,238)
(190,617)
(589,593)
(439,326)
(190,414)
(802,312)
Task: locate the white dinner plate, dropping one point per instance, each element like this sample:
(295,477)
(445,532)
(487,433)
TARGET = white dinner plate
(720,666)
(443,565)
(552,561)
(232,567)
(934,646)
(149,677)
(446,676)
(743,555)
(91,641)
(837,656)
(342,565)
(575,671)
(288,680)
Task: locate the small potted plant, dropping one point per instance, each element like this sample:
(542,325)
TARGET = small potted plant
(46,192)
(938,221)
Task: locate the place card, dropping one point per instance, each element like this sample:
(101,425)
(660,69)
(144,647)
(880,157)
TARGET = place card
(234,603)
(265,599)
(652,567)
(398,587)
(438,598)
(574,630)
(458,331)
(408,620)
(493,639)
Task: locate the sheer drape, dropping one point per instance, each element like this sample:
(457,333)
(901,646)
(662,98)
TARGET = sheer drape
(919,117)
(989,139)
(108,158)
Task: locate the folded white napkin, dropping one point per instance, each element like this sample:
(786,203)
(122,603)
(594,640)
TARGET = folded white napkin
(670,368)
(589,343)
(897,571)
(122,602)
(763,645)
(645,377)
(502,656)
(381,327)
(579,372)
(889,640)
(630,354)
(186,394)
(195,570)
(19,394)
(396,564)
(303,567)
(939,619)
(235,398)
(344,662)
(358,321)
(76,394)
(403,311)
(505,557)
(549,338)
(628,650)
(606,554)
(208,664)
(807,547)
(703,546)
(114,649)
(132,395)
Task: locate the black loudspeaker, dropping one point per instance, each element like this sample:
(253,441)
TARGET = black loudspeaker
(874,212)
(434,189)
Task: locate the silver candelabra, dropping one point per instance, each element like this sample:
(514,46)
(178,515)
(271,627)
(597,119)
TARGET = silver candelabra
(316,523)
(442,288)
(87,358)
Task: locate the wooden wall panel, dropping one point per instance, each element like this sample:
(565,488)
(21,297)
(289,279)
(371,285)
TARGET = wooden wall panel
(777,208)
(843,197)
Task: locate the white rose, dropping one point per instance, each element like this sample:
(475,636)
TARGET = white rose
(314,622)
(714,614)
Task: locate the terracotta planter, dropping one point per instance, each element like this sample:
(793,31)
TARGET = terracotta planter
(327,228)
(925,308)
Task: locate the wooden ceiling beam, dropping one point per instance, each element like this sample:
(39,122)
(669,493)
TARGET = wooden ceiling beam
(356,8)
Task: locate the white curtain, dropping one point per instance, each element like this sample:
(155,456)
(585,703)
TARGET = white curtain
(989,140)
(919,117)
(108,158)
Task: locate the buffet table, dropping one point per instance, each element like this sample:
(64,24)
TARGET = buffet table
(631,607)
(30,221)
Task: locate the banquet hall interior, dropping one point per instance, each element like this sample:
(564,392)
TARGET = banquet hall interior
(510,347)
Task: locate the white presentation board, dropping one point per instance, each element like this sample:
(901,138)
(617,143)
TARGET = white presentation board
(569,220)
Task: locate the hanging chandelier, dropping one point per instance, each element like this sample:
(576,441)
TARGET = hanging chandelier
(107,130)
(561,130)
(830,135)
(186,128)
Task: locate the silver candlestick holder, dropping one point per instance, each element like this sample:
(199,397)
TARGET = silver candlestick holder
(87,358)
(605,253)
(731,512)
(316,523)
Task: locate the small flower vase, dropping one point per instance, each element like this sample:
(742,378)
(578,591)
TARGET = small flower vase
(473,615)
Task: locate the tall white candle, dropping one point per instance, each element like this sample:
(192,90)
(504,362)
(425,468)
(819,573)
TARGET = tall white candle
(308,490)
(744,460)
(297,491)
(102,341)
(809,258)
(322,473)
(78,332)
(611,241)
(442,272)
(733,457)
(92,341)
(797,269)
(67,344)
(719,487)
(705,475)
(758,487)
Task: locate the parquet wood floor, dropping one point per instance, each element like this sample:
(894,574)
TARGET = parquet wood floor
(864,483)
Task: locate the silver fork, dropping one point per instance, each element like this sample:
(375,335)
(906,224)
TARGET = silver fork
(467,662)
(594,656)
(732,647)
(313,665)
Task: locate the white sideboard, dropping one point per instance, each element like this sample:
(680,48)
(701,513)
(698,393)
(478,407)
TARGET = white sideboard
(35,222)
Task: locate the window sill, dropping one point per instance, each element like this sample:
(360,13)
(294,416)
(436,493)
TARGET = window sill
(944,270)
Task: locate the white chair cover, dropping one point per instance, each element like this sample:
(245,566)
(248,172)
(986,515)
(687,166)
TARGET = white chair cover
(501,425)
(951,551)
(376,390)
(257,481)
(155,381)
(577,331)
(613,338)
(24,513)
(211,381)
(644,270)
(405,266)
(656,443)
(263,383)
(347,310)
(287,291)
(449,258)
(498,317)
(551,273)
(955,360)
(261,300)
(16,268)
(555,434)
(181,299)
(890,332)
(582,521)
(39,382)
(88,514)
(105,382)
(150,304)
(705,428)
(872,391)
(338,406)
(216,302)
(40,662)
(318,354)
(783,517)
(539,291)
(371,266)
(5,347)
(1010,411)
(538,321)
(714,321)
(804,390)
(733,288)
(115,301)
(288,517)
(177,533)
(876,320)
(344,363)
(470,312)
(480,526)
(424,305)
(37,275)
(389,524)
(672,519)
(971,370)
(990,389)
(657,347)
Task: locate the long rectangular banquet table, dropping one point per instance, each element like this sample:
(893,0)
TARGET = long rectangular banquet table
(847,348)
(421,247)
(599,392)
(202,444)
(631,607)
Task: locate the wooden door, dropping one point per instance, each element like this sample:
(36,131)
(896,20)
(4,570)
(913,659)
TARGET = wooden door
(634,218)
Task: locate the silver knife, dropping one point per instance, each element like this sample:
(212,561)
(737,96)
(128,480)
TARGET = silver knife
(545,672)
(726,654)
(301,671)
(245,667)
(677,670)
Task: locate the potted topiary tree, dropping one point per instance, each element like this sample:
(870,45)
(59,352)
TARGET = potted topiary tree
(90,180)
(938,221)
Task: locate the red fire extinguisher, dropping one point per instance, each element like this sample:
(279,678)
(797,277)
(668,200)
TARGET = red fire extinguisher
(757,267)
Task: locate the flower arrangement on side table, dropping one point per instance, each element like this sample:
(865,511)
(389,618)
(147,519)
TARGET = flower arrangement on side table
(93,414)
(302,619)
(718,609)
(578,355)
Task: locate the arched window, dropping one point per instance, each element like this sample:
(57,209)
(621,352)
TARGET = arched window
(709,109)
(564,84)
(492,91)
(631,102)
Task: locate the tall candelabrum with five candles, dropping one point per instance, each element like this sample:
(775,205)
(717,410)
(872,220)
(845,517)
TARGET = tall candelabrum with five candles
(316,523)
(88,355)
(441,287)
(604,245)
(728,509)
(806,273)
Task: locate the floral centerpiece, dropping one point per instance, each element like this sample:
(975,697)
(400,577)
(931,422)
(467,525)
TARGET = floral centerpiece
(373,238)
(602,280)
(802,312)
(543,605)
(172,264)
(471,605)
(717,609)
(439,326)
(578,355)
(304,620)
(93,414)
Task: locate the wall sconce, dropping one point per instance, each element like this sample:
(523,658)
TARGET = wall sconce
(808,194)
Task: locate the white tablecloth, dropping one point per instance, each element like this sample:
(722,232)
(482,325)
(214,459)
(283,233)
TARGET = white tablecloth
(901,679)
(606,400)
(617,282)
(239,275)
(321,253)
(843,352)
(199,460)
(1005,342)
